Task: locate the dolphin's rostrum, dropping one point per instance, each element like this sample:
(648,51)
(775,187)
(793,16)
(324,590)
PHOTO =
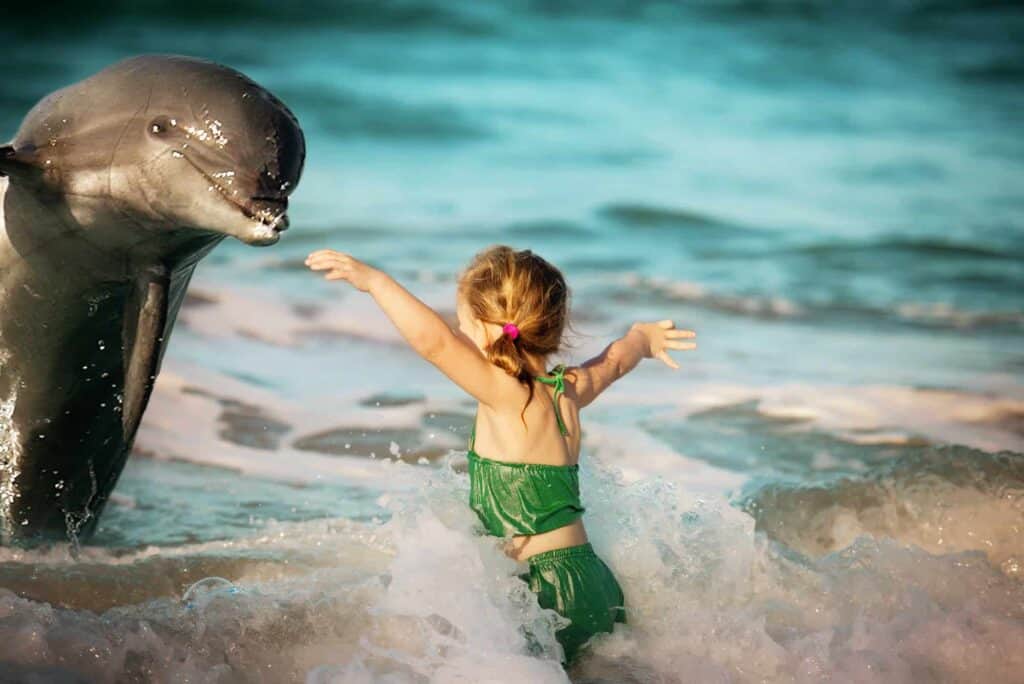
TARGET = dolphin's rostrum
(110,193)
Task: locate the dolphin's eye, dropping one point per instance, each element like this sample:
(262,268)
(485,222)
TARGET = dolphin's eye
(160,126)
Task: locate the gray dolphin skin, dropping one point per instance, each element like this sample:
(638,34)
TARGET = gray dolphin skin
(111,192)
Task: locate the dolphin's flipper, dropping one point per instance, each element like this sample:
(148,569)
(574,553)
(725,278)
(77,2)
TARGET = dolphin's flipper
(150,313)
(146,314)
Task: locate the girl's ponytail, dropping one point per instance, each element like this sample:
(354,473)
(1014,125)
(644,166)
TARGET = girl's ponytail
(506,355)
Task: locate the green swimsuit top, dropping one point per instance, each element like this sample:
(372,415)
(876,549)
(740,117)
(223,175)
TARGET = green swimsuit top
(525,498)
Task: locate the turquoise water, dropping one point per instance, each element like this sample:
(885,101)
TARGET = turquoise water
(829,194)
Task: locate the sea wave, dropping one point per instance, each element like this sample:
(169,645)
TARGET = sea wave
(422,596)
(924,314)
(640,215)
(910,248)
(943,500)
(700,295)
(876,414)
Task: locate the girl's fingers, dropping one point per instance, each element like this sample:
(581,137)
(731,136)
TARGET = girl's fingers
(666,324)
(321,263)
(314,258)
(667,360)
(337,275)
(681,346)
(680,333)
(326,256)
(330,266)
(321,255)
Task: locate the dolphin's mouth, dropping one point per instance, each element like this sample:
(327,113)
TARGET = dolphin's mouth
(270,211)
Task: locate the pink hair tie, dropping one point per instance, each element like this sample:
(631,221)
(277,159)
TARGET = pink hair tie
(511,330)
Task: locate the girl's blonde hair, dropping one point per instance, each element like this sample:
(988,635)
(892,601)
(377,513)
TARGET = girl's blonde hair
(502,286)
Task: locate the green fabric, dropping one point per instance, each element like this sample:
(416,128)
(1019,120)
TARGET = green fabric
(577,585)
(557,380)
(523,498)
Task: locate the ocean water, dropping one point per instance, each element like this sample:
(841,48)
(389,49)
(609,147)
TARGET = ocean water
(830,193)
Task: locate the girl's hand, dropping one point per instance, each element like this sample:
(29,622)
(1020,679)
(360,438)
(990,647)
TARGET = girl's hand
(661,337)
(341,266)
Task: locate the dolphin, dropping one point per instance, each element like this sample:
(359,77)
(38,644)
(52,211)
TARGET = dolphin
(111,192)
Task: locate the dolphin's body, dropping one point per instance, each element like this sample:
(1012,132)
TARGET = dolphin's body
(110,193)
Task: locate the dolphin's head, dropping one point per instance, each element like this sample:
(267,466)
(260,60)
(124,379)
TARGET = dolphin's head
(164,143)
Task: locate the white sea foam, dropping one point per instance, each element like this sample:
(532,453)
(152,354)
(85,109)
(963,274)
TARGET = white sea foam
(873,414)
(227,312)
(937,314)
(183,422)
(10,454)
(766,306)
(422,598)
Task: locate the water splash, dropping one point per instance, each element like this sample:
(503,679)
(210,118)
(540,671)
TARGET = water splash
(10,454)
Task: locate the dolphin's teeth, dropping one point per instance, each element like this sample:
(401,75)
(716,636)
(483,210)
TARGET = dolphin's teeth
(281,218)
(274,222)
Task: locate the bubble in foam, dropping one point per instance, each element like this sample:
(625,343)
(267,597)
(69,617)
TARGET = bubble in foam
(200,593)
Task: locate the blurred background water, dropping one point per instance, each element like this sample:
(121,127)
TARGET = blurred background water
(830,193)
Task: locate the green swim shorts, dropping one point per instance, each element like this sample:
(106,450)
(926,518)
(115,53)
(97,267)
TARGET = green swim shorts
(577,585)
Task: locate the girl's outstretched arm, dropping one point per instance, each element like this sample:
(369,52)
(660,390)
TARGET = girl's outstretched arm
(643,341)
(424,330)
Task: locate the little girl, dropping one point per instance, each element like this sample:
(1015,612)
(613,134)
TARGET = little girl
(512,309)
